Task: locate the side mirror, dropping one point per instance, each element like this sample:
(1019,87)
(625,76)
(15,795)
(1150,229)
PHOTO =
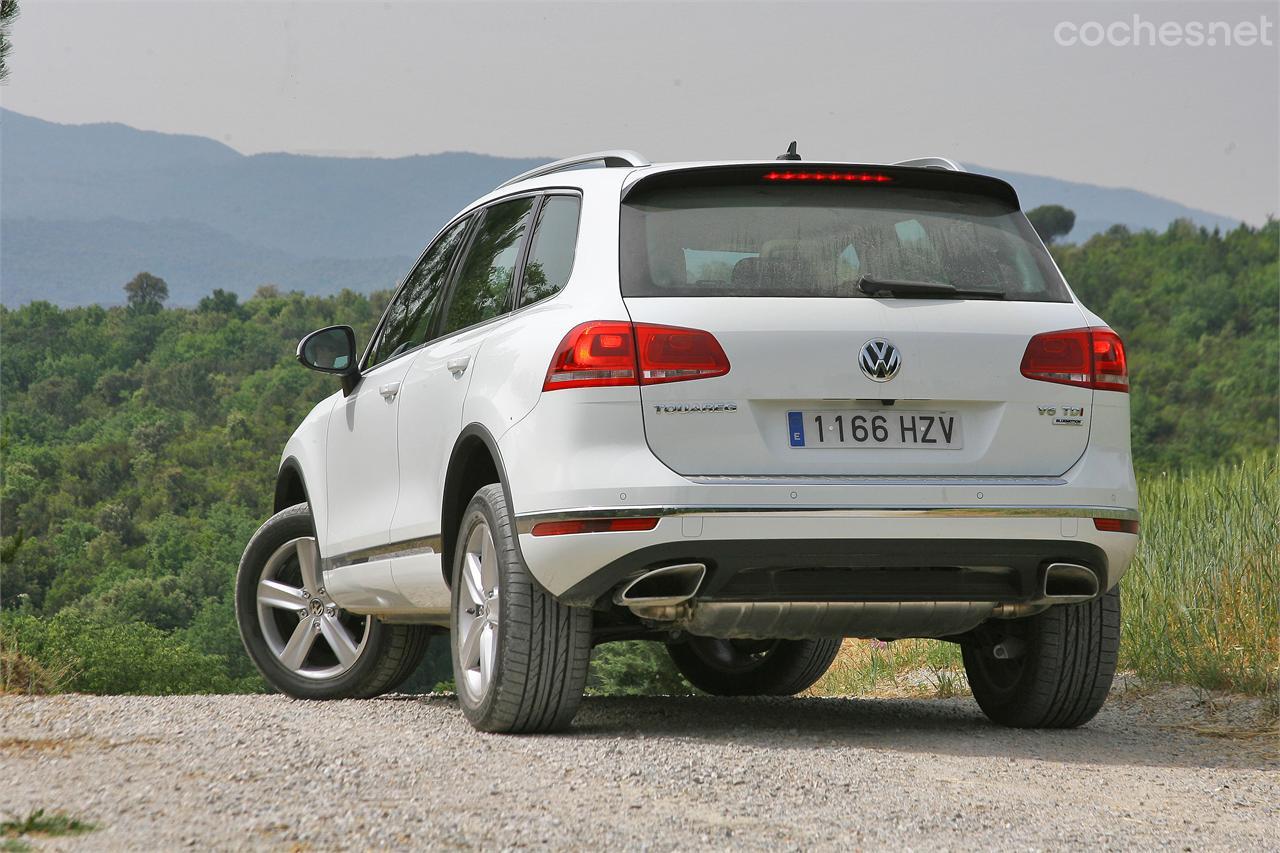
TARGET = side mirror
(332,350)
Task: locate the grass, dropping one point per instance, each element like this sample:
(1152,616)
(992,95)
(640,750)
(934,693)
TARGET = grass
(1200,602)
(903,667)
(20,673)
(40,824)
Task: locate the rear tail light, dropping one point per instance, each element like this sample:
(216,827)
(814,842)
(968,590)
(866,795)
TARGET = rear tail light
(593,525)
(605,353)
(594,355)
(1090,358)
(670,354)
(1116,525)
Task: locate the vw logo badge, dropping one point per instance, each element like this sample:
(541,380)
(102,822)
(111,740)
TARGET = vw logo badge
(879,360)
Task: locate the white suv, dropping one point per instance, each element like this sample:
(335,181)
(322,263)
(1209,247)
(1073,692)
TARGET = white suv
(745,409)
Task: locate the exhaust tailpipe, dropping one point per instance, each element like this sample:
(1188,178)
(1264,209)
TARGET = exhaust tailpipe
(1068,582)
(662,587)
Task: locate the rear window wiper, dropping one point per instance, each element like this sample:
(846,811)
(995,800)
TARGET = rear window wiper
(921,289)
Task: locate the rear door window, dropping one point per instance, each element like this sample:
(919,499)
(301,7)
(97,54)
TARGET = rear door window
(551,250)
(487,272)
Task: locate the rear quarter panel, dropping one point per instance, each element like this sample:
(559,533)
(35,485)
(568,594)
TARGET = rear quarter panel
(512,362)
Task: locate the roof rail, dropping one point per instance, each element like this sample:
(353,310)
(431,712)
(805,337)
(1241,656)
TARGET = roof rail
(932,163)
(618,157)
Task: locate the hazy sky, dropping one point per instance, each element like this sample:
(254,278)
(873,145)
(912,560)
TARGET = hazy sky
(981,82)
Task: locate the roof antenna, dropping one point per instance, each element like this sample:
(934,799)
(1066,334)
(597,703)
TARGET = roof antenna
(791,153)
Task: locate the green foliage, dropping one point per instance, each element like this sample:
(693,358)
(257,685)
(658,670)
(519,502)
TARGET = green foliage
(8,11)
(635,668)
(1052,221)
(102,656)
(146,293)
(1198,312)
(138,448)
(137,454)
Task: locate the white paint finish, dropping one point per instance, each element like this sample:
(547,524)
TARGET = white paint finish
(419,579)
(307,446)
(430,419)
(802,354)
(365,588)
(583,447)
(508,375)
(362,462)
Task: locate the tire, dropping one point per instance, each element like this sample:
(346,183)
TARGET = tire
(280,562)
(753,667)
(526,654)
(1064,673)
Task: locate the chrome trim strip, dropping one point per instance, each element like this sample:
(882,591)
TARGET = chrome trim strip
(526,521)
(404,548)
(870,480)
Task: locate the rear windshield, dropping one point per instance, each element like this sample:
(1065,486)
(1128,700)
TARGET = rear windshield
(818,240)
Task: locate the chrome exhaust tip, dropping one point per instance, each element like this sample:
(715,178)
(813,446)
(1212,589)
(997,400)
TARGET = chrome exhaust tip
(1069,582)
(662,587)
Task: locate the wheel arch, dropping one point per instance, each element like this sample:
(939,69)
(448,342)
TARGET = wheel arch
(291,486)
(475,462)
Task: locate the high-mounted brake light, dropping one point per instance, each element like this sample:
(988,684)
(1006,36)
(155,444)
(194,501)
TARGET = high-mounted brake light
(593,525)
(833,177)
(609,353)
(1089,358)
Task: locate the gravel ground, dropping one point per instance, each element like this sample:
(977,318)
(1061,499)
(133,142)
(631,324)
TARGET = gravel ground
(659,773)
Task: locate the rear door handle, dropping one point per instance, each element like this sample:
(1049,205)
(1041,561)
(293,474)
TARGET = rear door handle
(458,366)
(389,391)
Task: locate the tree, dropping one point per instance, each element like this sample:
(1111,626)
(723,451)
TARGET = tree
(220,302)
(8,11)
(1052,221)
(146,292)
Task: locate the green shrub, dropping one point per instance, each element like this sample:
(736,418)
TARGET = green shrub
(635,668)
(106,657)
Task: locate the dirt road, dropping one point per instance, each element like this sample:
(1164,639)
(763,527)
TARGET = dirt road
(406,772)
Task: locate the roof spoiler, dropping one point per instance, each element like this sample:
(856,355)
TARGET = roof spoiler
(905,176)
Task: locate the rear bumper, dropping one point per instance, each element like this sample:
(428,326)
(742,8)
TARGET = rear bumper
(937,553)
(588,458)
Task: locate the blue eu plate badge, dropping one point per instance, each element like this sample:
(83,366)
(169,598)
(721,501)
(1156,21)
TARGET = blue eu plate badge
(795,423)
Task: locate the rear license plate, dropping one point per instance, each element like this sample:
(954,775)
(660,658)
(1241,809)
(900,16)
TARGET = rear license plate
(875,428)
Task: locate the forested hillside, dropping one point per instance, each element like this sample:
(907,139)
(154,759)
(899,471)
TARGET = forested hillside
(1198,313)
(140,443)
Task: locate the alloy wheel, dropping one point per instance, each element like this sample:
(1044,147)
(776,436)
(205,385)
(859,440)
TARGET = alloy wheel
(478,615)
(307,632)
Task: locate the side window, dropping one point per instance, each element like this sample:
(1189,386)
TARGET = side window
(409,316)
(483,290)
(551,251)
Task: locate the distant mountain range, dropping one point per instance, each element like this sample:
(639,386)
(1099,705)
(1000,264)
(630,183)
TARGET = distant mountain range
(86,207)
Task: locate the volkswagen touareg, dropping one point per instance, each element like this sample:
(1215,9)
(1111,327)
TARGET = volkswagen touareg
(743,409)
